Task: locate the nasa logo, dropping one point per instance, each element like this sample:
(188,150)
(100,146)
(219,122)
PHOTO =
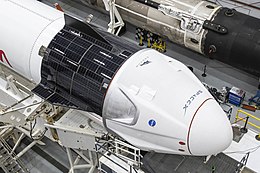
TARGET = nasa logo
(3,58)
(152,123)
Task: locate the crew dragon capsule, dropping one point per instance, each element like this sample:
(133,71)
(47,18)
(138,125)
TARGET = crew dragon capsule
(151,100)
(202,26)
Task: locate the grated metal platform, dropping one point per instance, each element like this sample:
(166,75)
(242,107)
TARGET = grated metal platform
(8,162)
(166,163)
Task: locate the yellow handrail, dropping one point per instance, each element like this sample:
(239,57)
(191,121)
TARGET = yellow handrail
(238,118)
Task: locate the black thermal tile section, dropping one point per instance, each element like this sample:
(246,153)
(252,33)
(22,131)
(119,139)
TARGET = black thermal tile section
(77,69)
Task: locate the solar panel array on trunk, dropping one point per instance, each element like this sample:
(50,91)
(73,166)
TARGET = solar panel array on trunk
(77,70)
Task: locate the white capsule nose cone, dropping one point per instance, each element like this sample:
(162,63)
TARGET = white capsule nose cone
(210,131)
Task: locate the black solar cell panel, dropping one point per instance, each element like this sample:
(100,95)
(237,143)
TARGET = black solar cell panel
(43,92)
(88,38)
(126,53)
(69,65)
(71,55)
(56,56)
(61,40)
(77,49)
(67,35)
(82,42)
(89,65)
(77,70)
(81,70)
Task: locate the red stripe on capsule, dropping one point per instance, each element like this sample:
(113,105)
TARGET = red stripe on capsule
(2,54)
(188,136)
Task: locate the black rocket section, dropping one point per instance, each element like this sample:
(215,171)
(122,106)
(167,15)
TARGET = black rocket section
(239,45)
(79,66)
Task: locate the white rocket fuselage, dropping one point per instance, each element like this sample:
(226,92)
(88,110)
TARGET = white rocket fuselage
(152,101)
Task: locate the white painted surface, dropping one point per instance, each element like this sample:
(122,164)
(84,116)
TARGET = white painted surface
(26,25)
(247,144)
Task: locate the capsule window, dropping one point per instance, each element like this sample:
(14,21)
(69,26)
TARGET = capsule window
(120,108)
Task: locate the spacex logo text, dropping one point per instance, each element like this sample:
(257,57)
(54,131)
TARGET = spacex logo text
(192,98)
(3,58)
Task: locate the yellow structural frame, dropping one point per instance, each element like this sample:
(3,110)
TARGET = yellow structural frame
(238,118)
